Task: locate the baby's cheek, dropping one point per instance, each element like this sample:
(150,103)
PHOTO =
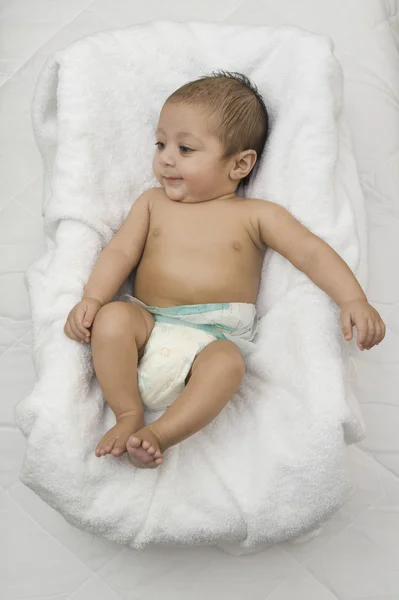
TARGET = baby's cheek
(198,174)
(155,167)
(197,183)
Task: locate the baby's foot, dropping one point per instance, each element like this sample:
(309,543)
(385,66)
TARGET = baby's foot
(144,449)
(114,441)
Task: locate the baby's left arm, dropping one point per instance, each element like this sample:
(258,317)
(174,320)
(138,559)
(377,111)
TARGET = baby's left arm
(311,255)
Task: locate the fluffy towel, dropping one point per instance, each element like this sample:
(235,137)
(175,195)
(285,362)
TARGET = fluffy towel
(273,465)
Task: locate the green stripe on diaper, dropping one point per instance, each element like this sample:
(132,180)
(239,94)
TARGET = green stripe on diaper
(189,309)
(173,321)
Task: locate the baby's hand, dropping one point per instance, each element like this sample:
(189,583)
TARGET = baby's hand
(80,318)
(371,328)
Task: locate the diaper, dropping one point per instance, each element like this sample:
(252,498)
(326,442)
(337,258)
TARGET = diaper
(179,334)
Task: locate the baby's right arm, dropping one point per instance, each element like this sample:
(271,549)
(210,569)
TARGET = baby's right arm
(120,256)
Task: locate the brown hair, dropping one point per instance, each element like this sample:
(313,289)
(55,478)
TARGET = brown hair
(244,121)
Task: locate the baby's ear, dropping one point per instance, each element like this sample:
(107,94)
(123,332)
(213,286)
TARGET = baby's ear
(244,164)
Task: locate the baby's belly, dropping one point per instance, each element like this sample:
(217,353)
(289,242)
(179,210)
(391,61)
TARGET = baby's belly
(177,283)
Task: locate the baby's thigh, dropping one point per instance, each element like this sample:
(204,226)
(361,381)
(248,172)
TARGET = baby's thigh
(221,356)
(117,319)
(147,325)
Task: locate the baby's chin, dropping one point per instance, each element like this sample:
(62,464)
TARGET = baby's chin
(174,195)
(178,193)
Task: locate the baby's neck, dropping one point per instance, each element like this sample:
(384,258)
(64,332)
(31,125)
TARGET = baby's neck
(223,198)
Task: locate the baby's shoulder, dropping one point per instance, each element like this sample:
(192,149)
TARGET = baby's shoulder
(258,206)
(261,211)
(258,202)
(150,195)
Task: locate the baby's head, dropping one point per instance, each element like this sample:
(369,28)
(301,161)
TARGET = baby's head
(210,134)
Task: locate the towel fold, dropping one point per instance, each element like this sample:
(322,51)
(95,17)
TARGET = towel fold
(273,465)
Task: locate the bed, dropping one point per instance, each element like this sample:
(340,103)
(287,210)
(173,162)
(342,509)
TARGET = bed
(357,554)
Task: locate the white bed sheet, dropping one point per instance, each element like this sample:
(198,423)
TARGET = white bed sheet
(357,554)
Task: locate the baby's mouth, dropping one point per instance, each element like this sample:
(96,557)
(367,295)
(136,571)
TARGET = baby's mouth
(173,179)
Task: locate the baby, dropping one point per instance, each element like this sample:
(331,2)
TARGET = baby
(178,345)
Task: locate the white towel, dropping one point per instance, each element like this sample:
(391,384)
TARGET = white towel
(273,465)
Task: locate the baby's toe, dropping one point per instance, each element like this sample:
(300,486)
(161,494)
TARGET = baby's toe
(117,450)
(157,454)
(151,450)
(134,442)
(146,445)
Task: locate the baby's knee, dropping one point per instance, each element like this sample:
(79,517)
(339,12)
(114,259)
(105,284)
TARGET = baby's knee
(234,362)
(230,360)
(111,320)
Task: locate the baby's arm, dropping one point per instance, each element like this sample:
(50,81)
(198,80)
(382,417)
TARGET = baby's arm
(310,254)
(122,254)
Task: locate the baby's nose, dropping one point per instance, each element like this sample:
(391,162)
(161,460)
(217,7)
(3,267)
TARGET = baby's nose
(167,158)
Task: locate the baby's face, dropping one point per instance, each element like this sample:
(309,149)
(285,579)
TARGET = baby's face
(187,161)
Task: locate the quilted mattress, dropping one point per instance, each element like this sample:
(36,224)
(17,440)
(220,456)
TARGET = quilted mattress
(356,557)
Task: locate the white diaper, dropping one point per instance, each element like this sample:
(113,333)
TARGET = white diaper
(179,334)
(166,362)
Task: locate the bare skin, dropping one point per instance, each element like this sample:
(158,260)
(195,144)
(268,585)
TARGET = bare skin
(194,241)
(174,259)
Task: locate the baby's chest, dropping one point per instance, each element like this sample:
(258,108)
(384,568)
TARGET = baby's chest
(207,236)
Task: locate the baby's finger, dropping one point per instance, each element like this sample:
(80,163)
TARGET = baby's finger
(69,332)
(377,334)
(75,330)
(381,331)
(78,322)
(66,329)
(361,325)
(89,314)
(368,343)
(346,325)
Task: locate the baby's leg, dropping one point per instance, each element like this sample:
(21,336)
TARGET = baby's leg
(216,374)
(119,331)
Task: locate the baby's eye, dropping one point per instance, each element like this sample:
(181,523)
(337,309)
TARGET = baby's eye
(185,149)
(158,144)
